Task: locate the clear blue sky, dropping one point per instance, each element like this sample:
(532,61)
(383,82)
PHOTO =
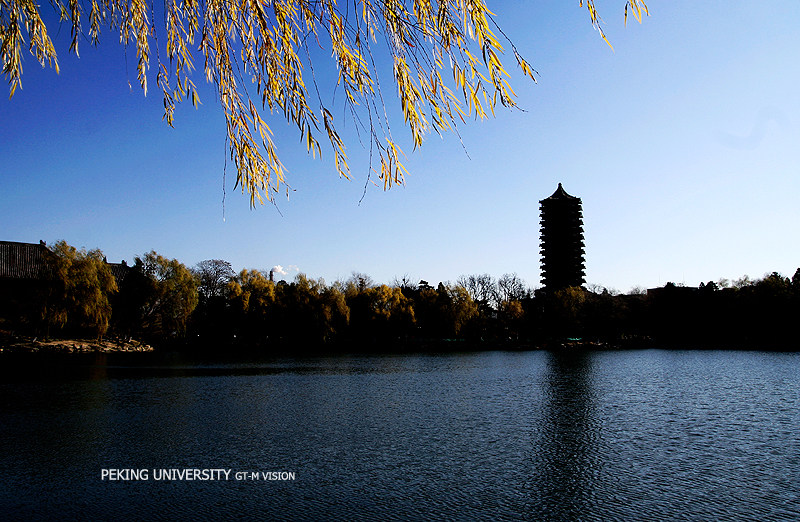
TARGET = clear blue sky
(683,142)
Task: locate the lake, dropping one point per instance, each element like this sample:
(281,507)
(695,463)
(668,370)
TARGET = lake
(612,435)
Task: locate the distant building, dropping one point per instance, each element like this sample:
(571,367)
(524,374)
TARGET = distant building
(24,276)
(22,264)
(23,261)
(562,248)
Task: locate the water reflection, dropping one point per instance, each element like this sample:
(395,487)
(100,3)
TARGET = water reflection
(566,460)
(497,436)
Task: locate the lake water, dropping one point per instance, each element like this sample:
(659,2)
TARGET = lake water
(656,435)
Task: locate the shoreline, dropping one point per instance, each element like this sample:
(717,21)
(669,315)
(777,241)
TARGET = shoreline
(13,344)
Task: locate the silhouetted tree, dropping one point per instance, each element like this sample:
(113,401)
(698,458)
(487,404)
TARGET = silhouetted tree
(566,312)
(211,322)
(462,309)
(213,276)
(309,312)
(482,290)
(251,297)
(510,288)
(772,311)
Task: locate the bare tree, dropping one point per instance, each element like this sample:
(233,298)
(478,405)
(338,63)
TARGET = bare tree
(214,276)
(600,289)
(360,281)
(405,282)
(510,288)
(481,288)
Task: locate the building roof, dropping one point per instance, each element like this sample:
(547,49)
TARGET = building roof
(560,193)
(23,260)
(29,261)
(119,270)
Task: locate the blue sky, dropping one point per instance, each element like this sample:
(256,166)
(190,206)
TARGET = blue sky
(682,143)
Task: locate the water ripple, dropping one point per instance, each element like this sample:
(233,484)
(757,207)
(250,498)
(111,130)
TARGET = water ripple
(499,436)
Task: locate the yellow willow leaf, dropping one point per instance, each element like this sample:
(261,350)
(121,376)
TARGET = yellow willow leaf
(271,44)
(606,39)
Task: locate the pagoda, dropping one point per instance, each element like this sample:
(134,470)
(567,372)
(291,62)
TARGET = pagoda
(562,241)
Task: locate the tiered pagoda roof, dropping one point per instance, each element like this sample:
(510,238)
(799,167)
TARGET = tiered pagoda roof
(562,247)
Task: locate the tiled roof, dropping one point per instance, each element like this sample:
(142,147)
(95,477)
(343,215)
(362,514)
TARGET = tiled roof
(119,270)
(560,193)
(22,260)
(29,261)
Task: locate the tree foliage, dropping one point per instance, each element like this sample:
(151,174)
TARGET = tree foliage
(251,296)
(310,311)
(251,292)
(445,61)
(81,289)
(213,276)
(461,309)
(171,294)
(158,298)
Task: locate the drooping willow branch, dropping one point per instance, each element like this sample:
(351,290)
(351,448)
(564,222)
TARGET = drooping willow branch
(446,65)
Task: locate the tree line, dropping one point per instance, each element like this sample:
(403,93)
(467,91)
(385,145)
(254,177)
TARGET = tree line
(210,306)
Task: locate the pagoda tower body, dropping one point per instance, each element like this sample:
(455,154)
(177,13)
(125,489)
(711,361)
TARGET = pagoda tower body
(562,241)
